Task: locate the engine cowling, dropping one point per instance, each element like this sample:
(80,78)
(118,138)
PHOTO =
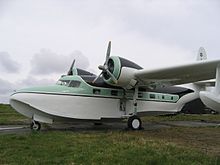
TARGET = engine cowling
(123,70)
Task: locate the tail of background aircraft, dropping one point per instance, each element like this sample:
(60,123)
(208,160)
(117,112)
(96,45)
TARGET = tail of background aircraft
(201,54)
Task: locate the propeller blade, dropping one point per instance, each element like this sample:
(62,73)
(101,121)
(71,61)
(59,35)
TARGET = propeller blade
(108,52)
(70,72)
(104,68)
(112,76)
(97,78)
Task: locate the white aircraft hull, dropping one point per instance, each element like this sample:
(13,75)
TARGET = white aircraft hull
(49,108)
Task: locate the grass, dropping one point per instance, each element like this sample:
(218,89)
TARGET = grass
(9,116)
(184,117)
(57,147)
(175,145)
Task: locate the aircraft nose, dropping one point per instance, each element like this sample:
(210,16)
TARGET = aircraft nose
(20,103)
(16,96)
(20,97)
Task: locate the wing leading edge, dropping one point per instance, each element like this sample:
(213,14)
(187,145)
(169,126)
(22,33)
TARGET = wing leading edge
(176,75)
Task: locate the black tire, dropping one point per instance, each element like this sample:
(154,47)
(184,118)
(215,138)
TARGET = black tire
(35,126)
(134,122)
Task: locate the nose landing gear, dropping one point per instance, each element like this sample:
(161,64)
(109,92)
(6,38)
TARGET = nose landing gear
(35,125)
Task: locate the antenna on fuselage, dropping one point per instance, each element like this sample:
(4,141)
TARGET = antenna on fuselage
(70,72)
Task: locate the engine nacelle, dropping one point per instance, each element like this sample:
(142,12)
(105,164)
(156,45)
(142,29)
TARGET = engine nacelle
(123,70)
(211,100)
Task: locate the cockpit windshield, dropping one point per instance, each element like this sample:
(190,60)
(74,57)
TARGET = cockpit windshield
(63,82)
(69,83)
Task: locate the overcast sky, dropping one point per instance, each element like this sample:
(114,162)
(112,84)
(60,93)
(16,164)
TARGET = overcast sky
(40,38)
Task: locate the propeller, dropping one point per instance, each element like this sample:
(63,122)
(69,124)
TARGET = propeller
(105,68)
(70,72)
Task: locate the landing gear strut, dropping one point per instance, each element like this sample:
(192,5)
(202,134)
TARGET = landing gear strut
(35,125)
(134,122)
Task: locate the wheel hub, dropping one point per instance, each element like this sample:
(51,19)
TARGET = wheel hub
(135,123)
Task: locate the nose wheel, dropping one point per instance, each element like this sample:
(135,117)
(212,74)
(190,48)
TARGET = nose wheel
(35,125)
(134,122)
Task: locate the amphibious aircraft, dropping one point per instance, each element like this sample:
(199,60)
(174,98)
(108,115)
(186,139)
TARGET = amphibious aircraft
(123,90)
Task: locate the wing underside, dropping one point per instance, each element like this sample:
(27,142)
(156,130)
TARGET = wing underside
(194,72)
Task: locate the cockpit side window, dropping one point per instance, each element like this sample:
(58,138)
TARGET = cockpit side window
(74,84)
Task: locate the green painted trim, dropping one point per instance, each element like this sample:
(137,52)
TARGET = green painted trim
(87,90)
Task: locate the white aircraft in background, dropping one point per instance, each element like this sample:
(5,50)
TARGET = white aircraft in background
(122,90)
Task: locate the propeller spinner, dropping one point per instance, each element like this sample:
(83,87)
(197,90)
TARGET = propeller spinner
(105,68)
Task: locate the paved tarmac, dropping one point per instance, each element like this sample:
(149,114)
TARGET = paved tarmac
(81,127)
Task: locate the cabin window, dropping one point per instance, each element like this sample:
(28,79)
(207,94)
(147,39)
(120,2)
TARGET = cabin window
(114,93)
(163,97)
(96,91)
(171,97)
(74,84)
(152,96)
(140,95)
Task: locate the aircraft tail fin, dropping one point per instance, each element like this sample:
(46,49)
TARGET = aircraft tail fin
(201,54)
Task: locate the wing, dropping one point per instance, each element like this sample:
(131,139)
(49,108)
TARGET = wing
(208,83)
(176,75)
